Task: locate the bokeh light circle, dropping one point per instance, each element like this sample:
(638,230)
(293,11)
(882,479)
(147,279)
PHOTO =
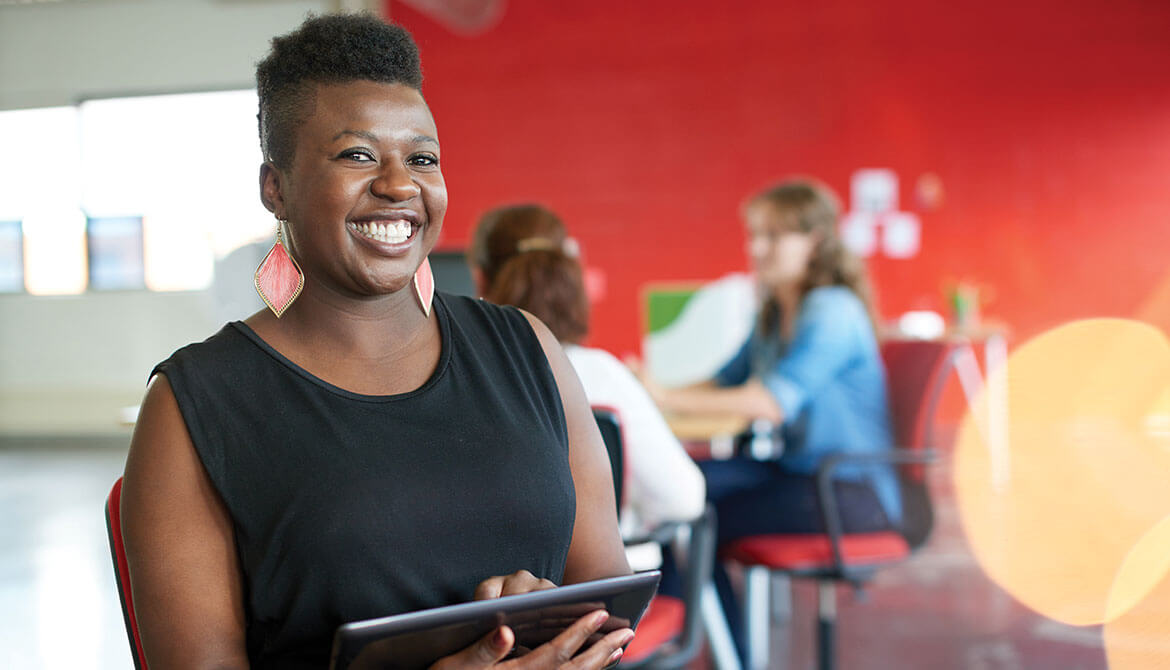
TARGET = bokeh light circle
(1137,636)
(1084,472)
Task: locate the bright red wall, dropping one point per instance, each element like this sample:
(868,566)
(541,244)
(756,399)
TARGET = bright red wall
(645,123)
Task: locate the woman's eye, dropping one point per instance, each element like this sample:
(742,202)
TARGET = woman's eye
(424,160)
(357,155)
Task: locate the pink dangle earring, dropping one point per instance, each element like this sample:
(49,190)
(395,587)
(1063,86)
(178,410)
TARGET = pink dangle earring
(279,279)
(424,286)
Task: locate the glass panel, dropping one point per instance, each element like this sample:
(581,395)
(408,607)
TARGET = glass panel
(54,251)
(40,185)
(196,191)
(11,257)
(115,253)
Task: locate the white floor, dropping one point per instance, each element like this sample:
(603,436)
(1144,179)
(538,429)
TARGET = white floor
(59,607)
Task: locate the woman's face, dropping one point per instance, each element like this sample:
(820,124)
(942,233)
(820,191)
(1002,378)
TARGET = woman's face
(364,195)
(779,254)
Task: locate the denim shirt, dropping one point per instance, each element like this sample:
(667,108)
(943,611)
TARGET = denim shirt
(830,382)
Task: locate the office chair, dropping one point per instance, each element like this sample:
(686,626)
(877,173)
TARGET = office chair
(916,374)
(122,573)
(670,633)
(611,434)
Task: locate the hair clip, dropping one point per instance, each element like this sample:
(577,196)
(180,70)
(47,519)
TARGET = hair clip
(569,247)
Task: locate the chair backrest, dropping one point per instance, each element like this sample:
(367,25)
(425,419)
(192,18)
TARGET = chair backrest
(122,572)
(610,425)
(916,373)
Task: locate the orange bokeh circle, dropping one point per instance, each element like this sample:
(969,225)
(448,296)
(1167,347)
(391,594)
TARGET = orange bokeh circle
(1082,475)
(1138,637)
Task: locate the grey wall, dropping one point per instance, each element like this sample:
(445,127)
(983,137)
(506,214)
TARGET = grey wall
(58,53)
(68,364)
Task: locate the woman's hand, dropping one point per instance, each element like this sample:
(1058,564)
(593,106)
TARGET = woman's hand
(750,399)
(559,653)
(521,581)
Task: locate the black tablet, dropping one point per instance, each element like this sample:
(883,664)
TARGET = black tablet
(417,639)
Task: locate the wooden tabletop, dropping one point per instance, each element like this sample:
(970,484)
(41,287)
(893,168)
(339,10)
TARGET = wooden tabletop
(706,427)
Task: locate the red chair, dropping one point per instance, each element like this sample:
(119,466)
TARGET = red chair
(670,632)
(916,373)
(122,573)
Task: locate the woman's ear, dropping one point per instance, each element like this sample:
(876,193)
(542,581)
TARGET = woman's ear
(270,189)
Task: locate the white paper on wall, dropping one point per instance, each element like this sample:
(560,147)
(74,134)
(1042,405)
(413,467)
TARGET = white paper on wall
(874,224)
(859,233)
(901,234)
(874,190)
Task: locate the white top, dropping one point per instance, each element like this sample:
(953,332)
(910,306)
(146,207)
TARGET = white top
(662,483)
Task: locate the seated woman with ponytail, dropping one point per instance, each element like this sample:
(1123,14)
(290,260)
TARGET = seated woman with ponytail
(522,256)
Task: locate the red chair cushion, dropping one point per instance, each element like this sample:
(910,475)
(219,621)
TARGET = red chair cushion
(662,622)
(805,551)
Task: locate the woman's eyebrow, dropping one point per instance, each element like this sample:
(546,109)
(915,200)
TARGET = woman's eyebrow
(371,137)
(363,134)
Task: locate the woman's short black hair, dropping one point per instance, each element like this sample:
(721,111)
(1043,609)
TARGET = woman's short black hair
(328,49)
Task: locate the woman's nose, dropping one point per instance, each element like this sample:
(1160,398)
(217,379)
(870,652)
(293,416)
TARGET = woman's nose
(757,247)
(395,182)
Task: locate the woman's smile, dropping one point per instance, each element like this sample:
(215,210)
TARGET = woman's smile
(389,233)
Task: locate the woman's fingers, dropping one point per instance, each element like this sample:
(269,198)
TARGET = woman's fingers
(526,584)
(521,581)
(603,653)
(561,651)
(484,653)
(489,588)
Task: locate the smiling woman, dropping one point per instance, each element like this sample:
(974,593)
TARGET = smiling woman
(345,459)
(363,193)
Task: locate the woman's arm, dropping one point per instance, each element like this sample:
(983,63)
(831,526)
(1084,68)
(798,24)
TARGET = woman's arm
(184,574)
(730,392)
(827,336)
(750,400)
(596,550)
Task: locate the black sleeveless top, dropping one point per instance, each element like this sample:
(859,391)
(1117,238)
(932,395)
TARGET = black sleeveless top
(348,506)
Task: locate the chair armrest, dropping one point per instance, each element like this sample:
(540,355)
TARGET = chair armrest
(695,571)
(827,498)
(663,533)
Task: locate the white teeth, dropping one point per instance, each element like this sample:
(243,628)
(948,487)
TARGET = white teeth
(395,232)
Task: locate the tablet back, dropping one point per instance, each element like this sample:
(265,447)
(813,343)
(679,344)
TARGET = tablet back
(417,639)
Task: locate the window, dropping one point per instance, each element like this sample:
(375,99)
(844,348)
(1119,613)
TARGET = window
(167,185)
(11,257)
(40,187)
(187,164)
(115,253)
